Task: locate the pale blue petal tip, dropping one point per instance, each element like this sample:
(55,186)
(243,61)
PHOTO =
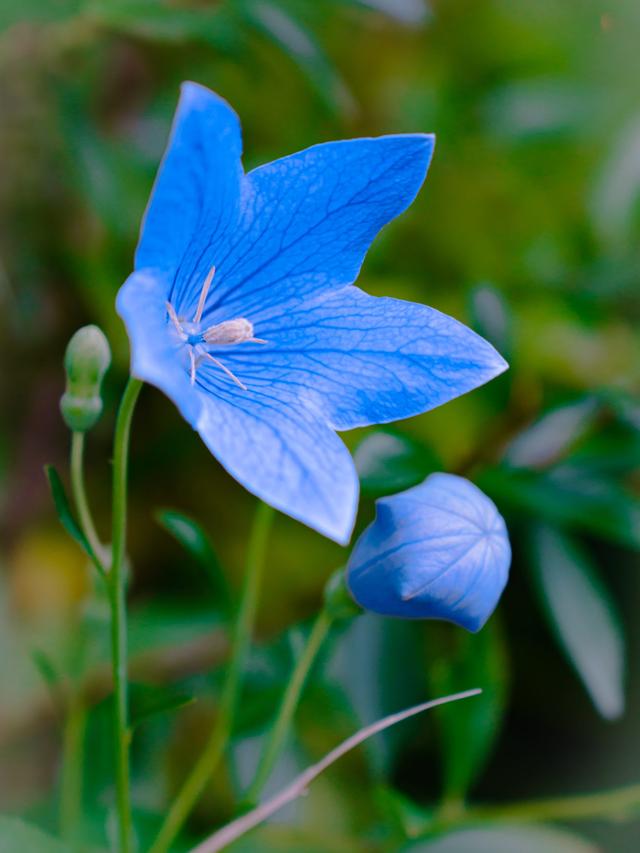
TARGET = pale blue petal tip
(242,307)
(437,551)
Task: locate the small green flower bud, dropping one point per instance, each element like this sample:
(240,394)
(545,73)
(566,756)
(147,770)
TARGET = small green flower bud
(338,601)
(86,361)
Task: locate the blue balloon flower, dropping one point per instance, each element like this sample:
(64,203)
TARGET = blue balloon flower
(241,307)
(437,551)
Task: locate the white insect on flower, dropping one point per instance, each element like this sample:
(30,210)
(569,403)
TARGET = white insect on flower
(227,333)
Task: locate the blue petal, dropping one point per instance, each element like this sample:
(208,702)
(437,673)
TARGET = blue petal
(363,359)
(437,551)
(306,223)
(197,191)
(155,355)
(279,449)
(285,454)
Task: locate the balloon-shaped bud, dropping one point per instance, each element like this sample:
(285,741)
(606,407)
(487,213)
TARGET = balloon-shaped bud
(437,551)
(86,361)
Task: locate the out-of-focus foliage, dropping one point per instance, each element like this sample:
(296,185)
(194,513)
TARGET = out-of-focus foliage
(528,229)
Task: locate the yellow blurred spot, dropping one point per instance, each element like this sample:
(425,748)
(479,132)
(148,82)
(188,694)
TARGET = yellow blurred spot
(48,575)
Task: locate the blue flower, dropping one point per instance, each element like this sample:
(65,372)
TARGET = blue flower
(437,551)
(241,307)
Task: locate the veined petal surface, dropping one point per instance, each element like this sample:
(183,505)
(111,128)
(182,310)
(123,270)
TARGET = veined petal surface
(273,255)
(308,220)
(285,454)
(363,359)
(437,551)
(195,202)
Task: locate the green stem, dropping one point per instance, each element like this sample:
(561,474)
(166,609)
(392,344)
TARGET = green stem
(79,493)
(288,705)
(71,782)
(117,595)
(80,498)
(605,804)
(213,751)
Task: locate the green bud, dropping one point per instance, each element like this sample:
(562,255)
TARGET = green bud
(86,361)
(338,601)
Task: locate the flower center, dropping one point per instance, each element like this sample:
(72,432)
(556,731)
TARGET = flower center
(197,339)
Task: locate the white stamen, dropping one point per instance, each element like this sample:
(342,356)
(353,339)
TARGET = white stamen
(176,322)
(236,331)
(203,295)
(226,370)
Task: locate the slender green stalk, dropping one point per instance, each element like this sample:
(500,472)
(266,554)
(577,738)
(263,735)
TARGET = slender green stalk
(117,595)
(613,804)
(213,751)
(79,493)
(71,782)
(288,705)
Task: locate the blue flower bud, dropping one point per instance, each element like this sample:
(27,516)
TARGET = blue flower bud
(86,361)
(437,551)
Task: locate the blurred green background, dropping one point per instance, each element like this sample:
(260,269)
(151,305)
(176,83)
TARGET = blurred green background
(528,229)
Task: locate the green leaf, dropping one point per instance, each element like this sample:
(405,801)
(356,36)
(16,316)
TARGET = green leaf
(65,514)
(504,839)
(410,12)
(165,21)
(490,317)
(553,434)
(614,201)
(146,701)
(197,543)
(302,47)
(52,11)
(411,819)
(583,616)
(46,667)
(469,729)
(16,836)
(388,461)
(568,496)
(158,625)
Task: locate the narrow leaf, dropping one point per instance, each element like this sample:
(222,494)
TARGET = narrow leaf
(197,543)
(568,496)
(552,435)
(388,461)
(504,839)
(302,47)
(411,12)
(46,668)
(491,318)
(468,729)
(147,701)
(583,616)
(66,516)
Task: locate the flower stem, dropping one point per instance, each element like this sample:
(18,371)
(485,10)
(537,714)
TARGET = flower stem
(613,804)
(117,597)
(203,770)
(288,705)
(71,781)
(80,496)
